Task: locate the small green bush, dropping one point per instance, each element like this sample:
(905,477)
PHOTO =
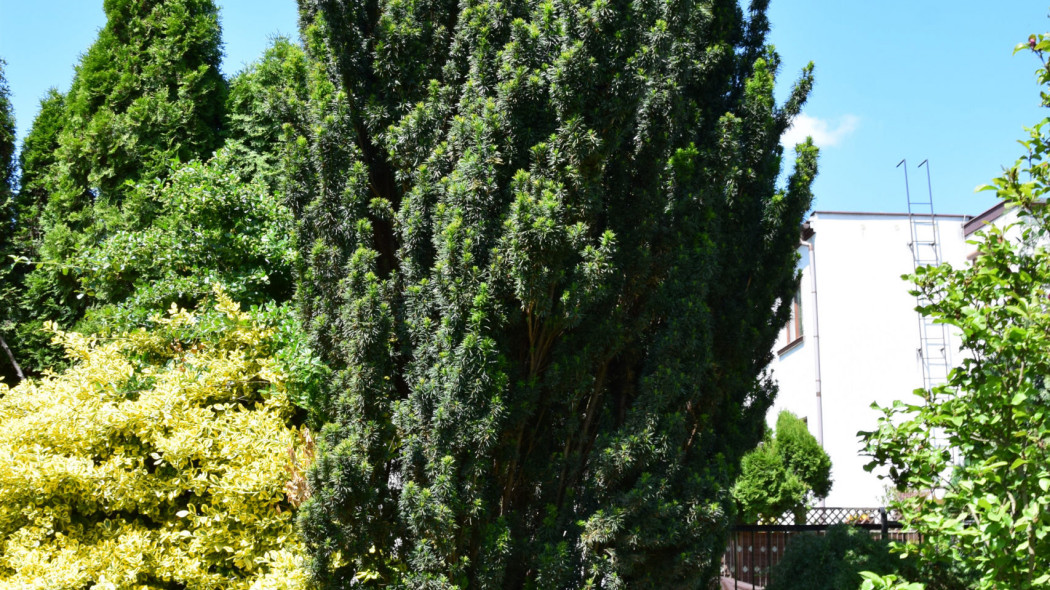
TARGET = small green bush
(833,561)
(787,472)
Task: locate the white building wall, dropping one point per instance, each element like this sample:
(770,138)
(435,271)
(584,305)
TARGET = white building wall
(868,337)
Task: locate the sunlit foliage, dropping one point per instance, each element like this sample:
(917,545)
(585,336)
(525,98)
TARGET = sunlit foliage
(157,460)
(974,452)
(544,249)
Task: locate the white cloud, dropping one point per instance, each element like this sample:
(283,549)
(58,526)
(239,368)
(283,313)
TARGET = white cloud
(824,133)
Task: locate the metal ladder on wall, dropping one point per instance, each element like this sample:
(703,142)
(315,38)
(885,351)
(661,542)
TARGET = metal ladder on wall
(934,350)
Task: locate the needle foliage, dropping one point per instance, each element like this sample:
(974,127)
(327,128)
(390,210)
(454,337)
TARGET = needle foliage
(545,253)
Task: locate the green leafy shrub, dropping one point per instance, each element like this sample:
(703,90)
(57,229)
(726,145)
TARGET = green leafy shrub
(873,581)
(174,239)
(834,560)
(787,471)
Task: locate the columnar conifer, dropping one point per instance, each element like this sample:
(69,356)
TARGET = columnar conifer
(267,103)
(24,316)
(545,252)
(7,154)
(8,363)
(148,91)
(788,471)
(34,161)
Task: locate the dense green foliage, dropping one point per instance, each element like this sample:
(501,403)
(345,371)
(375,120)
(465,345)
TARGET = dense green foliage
(7,159)
(267,103)
(787,472)
(541,250)
(8,214)
(834,560)
(35,159)
(147,92)
(802,454)
(988,508)
(23,315)
(544,251)
(874,581)
(115,217)
(174,239)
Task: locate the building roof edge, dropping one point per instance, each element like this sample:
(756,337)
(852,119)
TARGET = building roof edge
(885,214)
(984,218)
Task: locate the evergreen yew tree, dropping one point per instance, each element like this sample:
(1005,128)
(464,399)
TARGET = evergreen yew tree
(545,254)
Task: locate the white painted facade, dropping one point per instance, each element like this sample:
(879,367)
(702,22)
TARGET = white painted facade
(868,336)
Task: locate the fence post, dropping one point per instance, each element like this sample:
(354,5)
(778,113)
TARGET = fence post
(769,558)
(751,550)
(736,564)
(885,523)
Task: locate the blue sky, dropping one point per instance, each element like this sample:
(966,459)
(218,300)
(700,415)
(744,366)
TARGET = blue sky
(912,79)
(915,79)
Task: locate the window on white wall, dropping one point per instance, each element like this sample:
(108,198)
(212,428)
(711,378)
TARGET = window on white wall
(793,329)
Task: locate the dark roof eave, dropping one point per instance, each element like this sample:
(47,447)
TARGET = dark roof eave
(988,216)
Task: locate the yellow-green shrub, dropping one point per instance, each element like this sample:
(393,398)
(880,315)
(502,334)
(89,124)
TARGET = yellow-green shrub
(158,460)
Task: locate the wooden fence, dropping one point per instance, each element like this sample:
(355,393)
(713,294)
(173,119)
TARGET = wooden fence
(754,549)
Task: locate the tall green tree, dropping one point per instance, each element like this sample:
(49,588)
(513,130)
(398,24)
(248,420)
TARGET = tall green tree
(974,451)
(545,252)
(265,108)
(35,159)
(7,156)
(147,92)
(8,364)
(21,325)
